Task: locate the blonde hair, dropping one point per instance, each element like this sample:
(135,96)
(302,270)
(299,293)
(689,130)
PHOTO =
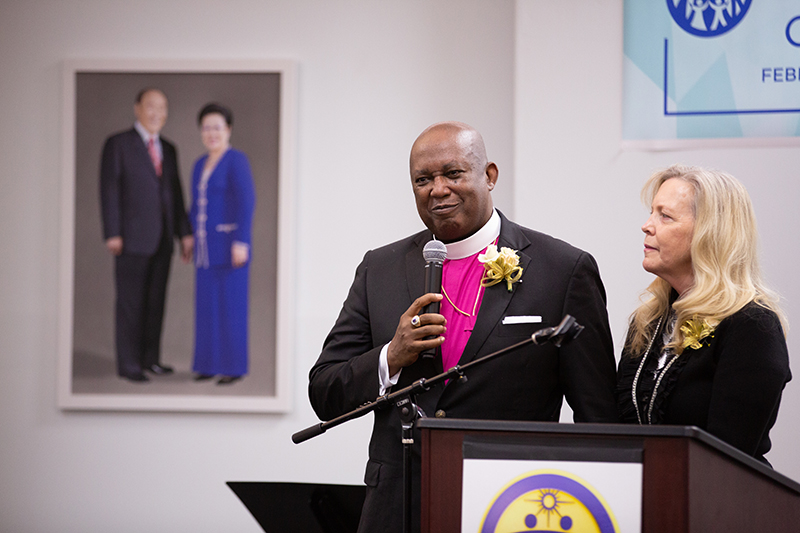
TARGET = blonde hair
(724,253)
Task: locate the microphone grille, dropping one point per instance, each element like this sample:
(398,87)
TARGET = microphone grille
(434,252)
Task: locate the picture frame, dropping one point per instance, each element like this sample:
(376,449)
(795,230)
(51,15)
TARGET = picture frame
(98,100)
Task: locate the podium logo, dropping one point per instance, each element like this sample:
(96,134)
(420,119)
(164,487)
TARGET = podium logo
(549,501)
(708,18)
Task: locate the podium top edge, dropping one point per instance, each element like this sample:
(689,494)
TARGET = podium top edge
(610,430)
(627,430)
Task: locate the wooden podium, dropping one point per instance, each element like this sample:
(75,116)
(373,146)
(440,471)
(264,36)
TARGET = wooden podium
(692,482)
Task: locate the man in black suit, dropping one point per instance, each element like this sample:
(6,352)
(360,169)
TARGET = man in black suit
(377,340)
(143,210)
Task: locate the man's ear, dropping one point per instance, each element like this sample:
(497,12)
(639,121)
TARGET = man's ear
(491,175)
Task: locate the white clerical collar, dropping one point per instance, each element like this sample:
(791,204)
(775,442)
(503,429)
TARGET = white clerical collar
(146,134)
(477,241)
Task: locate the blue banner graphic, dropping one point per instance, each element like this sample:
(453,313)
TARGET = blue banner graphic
(711,69)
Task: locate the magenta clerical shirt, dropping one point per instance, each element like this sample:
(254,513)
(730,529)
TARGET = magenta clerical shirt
(461,285)
(461,281)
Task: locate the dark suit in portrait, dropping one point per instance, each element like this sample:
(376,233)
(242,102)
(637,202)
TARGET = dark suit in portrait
(146,211)
(527,384)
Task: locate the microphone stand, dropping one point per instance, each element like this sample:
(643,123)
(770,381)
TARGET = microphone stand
(403,399)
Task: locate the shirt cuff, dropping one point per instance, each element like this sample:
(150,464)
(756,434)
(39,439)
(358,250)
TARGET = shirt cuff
(385,381)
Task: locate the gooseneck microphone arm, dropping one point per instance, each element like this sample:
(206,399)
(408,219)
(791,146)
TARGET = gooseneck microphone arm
(565,331)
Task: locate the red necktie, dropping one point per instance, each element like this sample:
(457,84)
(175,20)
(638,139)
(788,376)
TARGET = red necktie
(154,157)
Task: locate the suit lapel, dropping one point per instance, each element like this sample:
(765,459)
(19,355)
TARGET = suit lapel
(415,266)
(497,298)
(167,163)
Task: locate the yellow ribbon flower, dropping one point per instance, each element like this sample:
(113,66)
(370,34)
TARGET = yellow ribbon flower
(500,266)
(694,331)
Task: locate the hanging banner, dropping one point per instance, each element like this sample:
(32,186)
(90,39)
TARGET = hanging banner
(705,70)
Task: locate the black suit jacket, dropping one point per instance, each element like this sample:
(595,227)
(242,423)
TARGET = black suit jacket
(731,386)
(527,384)
(134,198)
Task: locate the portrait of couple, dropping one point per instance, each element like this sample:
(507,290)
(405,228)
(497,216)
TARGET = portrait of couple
(144,212)
(176,217)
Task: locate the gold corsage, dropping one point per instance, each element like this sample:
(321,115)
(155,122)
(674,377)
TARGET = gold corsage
(500,266)
(694,331)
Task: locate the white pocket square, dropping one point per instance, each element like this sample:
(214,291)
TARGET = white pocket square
(523,319)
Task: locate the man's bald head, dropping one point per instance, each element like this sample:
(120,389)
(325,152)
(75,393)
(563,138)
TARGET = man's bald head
(151,109)
(464,135)
(452,180)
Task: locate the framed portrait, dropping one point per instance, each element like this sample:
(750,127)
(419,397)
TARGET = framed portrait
(98,102)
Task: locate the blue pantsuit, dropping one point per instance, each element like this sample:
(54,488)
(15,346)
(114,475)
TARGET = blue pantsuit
(222,214)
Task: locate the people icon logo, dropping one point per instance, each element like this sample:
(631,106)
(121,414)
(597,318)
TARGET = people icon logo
(708,18)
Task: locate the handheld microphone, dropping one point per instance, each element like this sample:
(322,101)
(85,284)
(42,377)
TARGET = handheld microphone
(434,252)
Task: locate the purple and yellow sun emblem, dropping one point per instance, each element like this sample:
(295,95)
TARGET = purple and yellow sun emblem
(549,501)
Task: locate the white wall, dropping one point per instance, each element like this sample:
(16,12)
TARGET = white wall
(372,75)
(573,181)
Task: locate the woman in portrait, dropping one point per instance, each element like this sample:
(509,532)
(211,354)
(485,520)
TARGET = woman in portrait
(707,347)
(223,200)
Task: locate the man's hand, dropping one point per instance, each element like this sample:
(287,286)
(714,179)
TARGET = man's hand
(187,248)
(114,245)
(408,341)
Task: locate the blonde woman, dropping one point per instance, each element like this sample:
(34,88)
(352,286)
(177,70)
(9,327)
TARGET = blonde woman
(707,348)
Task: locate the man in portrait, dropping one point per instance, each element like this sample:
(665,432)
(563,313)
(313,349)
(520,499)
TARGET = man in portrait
(376,342)
(143,212)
